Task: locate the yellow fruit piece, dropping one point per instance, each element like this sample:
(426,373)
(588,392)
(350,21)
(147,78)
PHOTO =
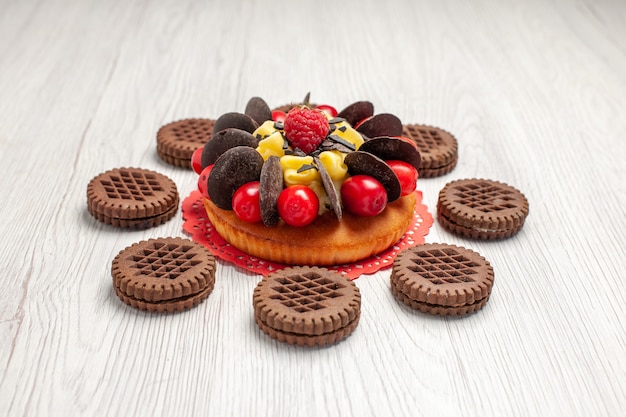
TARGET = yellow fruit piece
(292,163)
(265,130)
(347,132)
(333,162)
(271,146)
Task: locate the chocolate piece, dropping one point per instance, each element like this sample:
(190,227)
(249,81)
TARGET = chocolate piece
(442,279)
(258,110)
(132,198)
(271,185)
(383,124)
(388,149)
(367,164)
(306,306)
(177,141)
(329,187)
(223,141)
(236,120)
(357,111)
(481,209)
(163,275)
(234,168)
(438,149)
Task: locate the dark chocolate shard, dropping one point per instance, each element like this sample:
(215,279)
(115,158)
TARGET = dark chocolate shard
(272,183)
(234,168)
(236,120)
(259,110)
(388,149)
(224,140)
(383,124)
(336,143)
(306,167)
(364,163)
(329,187)
(356,112)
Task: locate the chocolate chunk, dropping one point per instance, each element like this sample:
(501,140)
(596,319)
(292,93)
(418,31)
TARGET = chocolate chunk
(329,187)
(270,187)
(236,120)
(383,124)
(388,148)
(367,164)
(234,168)
(258,109)
(356,112)
(224,140)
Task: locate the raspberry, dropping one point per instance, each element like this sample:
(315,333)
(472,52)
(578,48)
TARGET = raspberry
(305,128)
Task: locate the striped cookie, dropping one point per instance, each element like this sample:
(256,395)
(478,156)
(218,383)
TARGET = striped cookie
(177,141)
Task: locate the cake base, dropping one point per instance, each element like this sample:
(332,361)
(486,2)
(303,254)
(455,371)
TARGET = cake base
(324,242)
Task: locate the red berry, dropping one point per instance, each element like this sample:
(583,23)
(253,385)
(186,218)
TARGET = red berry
(298,205)
(363,195)
(330,110)
(278,115)
(203,181)
(406,173)
(246,202)
(305,128)
(196,160)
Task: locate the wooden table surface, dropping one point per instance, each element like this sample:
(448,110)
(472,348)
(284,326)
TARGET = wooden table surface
(535,92)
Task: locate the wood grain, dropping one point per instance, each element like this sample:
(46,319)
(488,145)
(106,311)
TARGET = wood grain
(535,93)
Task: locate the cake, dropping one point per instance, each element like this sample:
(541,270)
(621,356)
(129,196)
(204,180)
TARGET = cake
(308,185)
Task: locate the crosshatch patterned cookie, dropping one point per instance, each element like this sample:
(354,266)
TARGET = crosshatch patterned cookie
(164,275)
(481,209)
(442,279)
(438,149)
(177,141)
(307,306)
(132,198)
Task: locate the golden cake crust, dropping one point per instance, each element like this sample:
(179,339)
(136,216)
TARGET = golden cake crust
(326,241)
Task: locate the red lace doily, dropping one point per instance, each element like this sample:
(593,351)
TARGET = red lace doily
(201,230)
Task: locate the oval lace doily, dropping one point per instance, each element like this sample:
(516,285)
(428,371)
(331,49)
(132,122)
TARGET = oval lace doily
(198,226)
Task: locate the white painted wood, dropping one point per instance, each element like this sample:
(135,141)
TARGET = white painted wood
(535,93)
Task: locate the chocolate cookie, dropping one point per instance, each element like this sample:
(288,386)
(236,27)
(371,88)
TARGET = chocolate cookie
(307,306)
(177,141)
(438,149)
(442,279)
(481,209)
(132,198)
(164,275)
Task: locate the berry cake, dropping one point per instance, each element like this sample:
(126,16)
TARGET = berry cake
(308,185)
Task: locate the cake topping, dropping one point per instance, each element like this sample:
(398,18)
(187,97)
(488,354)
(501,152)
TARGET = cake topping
(356,112)
(383,124)
(236,120)
(271,186)
(233,168)
(305,128)
(388,148)
(224,140)
(363,163)
(258,110)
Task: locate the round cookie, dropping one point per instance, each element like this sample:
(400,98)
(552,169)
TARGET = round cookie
(306,306)
(177,141)
(132,198)
(438,149)
(442,279)
(481,209)
(163,275)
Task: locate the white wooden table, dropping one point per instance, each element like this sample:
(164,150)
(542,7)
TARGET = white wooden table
(535,92)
